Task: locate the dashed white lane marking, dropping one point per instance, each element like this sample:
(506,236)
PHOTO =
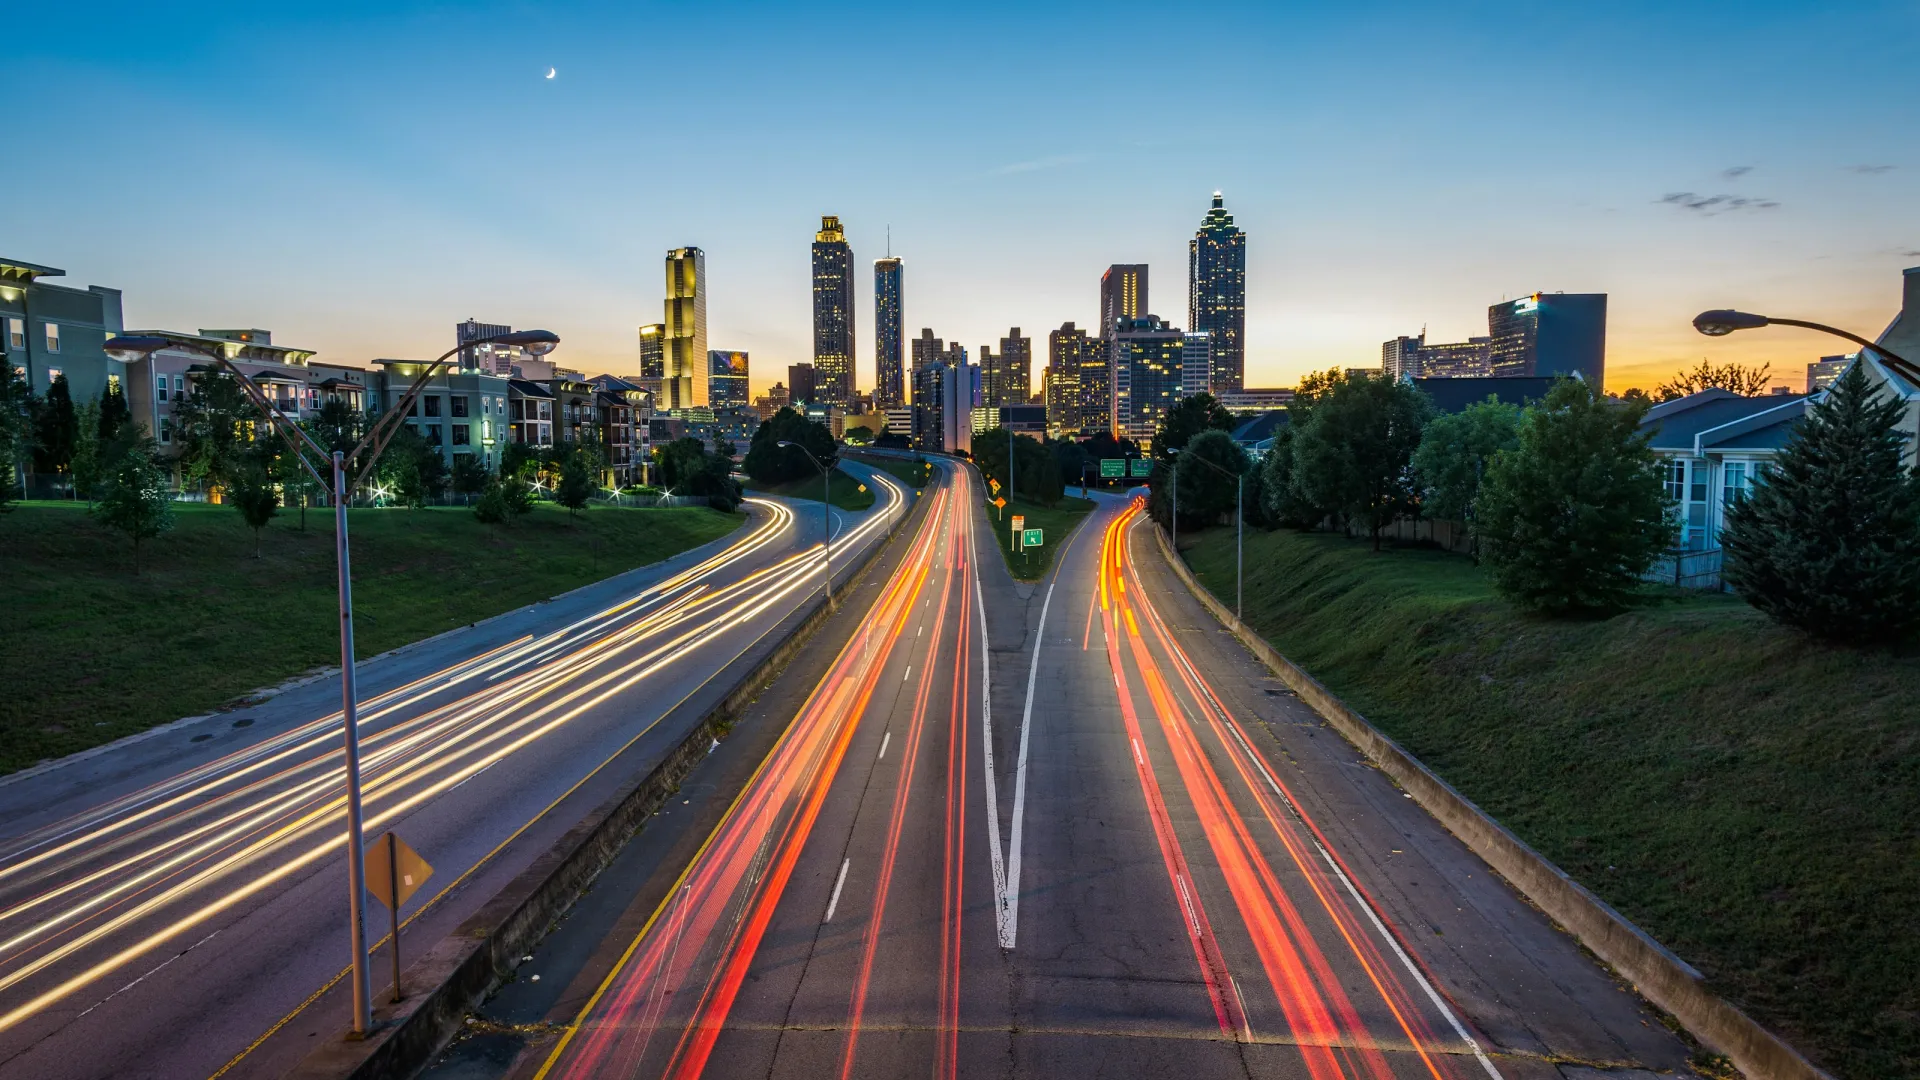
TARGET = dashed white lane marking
(841,880)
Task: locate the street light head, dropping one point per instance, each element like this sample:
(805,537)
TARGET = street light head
(128,348)
(535,342)
(783,442)
(1721,322)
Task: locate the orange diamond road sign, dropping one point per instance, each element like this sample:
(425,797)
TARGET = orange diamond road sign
(994,484)
(394,870)
(1000,502)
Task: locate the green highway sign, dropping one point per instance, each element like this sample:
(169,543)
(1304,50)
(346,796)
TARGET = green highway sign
(1142,466)
(1031,538)
(1112,468)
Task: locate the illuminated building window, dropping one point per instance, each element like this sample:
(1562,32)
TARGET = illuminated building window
(53,337)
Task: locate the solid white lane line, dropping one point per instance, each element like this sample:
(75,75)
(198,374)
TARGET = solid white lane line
(839,881)
(884,740)
(1010,896)
(991,781)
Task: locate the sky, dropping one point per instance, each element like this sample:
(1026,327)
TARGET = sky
(358,177)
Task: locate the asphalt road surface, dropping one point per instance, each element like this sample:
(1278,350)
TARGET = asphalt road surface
(174,905)
(1073,829)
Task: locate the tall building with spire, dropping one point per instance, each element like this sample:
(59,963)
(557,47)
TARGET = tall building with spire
(833,352)
(889,335)
(688,371)
(1217,296)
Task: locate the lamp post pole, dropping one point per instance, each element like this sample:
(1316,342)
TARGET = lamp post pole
(1722,321)
(826,513)
(1239,527)
(135,346)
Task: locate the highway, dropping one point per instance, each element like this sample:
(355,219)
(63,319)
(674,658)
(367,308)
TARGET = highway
(175,906)
(1074,830)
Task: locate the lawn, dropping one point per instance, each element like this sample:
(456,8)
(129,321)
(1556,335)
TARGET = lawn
(93,652)
(1056,523)
(1748,797)
(845,492)
(914,474)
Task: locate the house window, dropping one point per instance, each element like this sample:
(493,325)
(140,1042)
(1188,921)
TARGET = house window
(113,384)
(53,337)
(433,434)
(1675,476)
(160,390)
(16,333)
(54,374)
(179,386)
(1735,483)
(166,430)
(462,434)
(459,402)
(432,404)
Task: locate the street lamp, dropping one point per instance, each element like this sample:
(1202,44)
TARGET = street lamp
(826,511)
(1239,525)
(131,348)
(1721,322)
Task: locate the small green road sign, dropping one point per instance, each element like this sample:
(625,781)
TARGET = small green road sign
(1142,466)
(1112,468)
(1031,538)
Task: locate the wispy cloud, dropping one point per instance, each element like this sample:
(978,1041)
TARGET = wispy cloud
(1736,172)
(1710,205)
(1870,170)
(1037,164)
(1914,254)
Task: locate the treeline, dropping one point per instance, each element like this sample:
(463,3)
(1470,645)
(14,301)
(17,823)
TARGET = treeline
(1565,500)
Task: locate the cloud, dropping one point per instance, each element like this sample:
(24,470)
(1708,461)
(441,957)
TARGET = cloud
(1736,172)
(1710,205)
(1870,170)
(1914,254)
(1037,164)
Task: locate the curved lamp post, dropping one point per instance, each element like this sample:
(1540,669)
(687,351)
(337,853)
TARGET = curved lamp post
(134,347)
(1239,514)
(826,511)
(1722,321)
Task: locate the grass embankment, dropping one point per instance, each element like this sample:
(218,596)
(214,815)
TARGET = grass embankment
(1748,797)
(1055,522)
(93,653)
(915,474)
(843,490)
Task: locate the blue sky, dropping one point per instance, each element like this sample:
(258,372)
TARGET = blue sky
(358,177)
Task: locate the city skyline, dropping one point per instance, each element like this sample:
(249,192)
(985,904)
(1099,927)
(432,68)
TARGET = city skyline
(1660,171)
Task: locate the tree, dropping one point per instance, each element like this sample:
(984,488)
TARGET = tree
(579,479)
(1193,415)
(859,436)
(212,427)
(56,427)
(1205,492)
(494,507)
(1035,469)
(412,469)
(1071,459)
(86,461)
(768,463)
(469,477)
(1829,540)
(687,467)
(114,413)
(1453,456)
(1353,454)
(133,496)
(1745,381)
(1571,517)
(251,491)
(16,432)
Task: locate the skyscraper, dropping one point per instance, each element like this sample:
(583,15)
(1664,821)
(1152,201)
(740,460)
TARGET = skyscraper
(833,353)
(1147,355)
(800,382)
(1068,350)
(1196,363)
(1217,295)
(927,349)
(492,359)
(653,362)
(1550,334)
(728,368)
(685,382)
(1123,295)
(889,335)
(1011,380)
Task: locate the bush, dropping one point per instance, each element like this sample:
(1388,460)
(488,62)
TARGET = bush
(1571,517)
(1829,541)
(133,497)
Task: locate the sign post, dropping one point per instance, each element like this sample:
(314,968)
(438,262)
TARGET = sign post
(1019,526)
(394,873)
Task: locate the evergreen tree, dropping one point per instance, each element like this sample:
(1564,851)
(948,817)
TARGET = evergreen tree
(494,507)
(133,496)
(1193,415)
(1829,540)
(579,480)
(469,476)
(251,491)
(16,433)
(114,413)
(55,428)
(86,462)
(1571,517)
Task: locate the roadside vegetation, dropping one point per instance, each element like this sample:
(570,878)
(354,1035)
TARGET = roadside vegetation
(96,652)
(1055,522)
(1737,774)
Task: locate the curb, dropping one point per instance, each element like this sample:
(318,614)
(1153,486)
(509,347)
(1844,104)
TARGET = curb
(484,950)
(1661,977)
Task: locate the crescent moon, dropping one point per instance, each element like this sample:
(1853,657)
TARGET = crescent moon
(550,73)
